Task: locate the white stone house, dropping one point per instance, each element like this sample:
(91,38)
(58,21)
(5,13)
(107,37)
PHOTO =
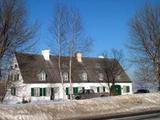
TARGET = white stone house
(36,77)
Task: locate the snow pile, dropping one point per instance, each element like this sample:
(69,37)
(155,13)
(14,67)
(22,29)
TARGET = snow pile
(73,109)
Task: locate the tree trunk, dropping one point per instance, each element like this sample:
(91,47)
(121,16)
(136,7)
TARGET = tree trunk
(158,76)
(70,77)
(61,76)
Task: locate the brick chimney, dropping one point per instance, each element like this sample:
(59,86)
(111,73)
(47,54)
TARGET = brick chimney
(78,56)
(46,54)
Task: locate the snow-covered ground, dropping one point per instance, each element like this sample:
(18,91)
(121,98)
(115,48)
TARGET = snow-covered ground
(76,108)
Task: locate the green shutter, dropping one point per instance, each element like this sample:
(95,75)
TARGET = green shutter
(44,91)
(41,90)
(32,91)
(75,90)
(67,91)
(97,89)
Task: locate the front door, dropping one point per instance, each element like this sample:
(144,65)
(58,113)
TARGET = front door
(52,94)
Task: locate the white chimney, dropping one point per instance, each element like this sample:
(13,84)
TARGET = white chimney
(79,56)
(101,57)
(46,54)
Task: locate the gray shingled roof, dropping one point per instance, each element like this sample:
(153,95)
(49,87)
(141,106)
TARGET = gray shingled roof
(31,65)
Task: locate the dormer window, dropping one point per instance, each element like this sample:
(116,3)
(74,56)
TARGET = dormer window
(64,65)
(65,76)
(84,76)
(98,65)
(101,76)
(42,76)
(118,77)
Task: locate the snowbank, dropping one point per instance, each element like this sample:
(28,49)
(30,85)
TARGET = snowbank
(74,109)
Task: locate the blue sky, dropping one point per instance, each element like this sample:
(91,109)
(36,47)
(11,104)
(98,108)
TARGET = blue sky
(106,21)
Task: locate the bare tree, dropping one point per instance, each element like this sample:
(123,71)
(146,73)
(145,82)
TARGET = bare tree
(144,77)
(69,36)
(59,29)
(114,67)
(14,30)
(145,37)
(78,41)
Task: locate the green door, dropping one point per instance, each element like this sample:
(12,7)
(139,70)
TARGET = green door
(67,90)
(116,89)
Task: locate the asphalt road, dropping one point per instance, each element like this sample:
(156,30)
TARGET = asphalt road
(152,116)
(142,115)
(145,115)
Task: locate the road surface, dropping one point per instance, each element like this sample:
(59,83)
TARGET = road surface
(152,116)
(147,115)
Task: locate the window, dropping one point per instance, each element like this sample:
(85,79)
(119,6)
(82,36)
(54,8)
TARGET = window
(104,89)
(10,77)
(38,92)
(126,89)
(83,88)
(118,77)
(98,65)
(16,77)
(98,90)
(64,65)
(13,91)
(67,91)
(84,76)
(42,76)
(101,77)
(65,76)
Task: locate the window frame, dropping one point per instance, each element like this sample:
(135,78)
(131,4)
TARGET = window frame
(126,89)
(16,77)
(100,76)
(84,76)
(65,76)
(67,91)
(42,76)
(13,91)
(104,89)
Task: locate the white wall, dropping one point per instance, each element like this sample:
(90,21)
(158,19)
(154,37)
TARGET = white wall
(24,90)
